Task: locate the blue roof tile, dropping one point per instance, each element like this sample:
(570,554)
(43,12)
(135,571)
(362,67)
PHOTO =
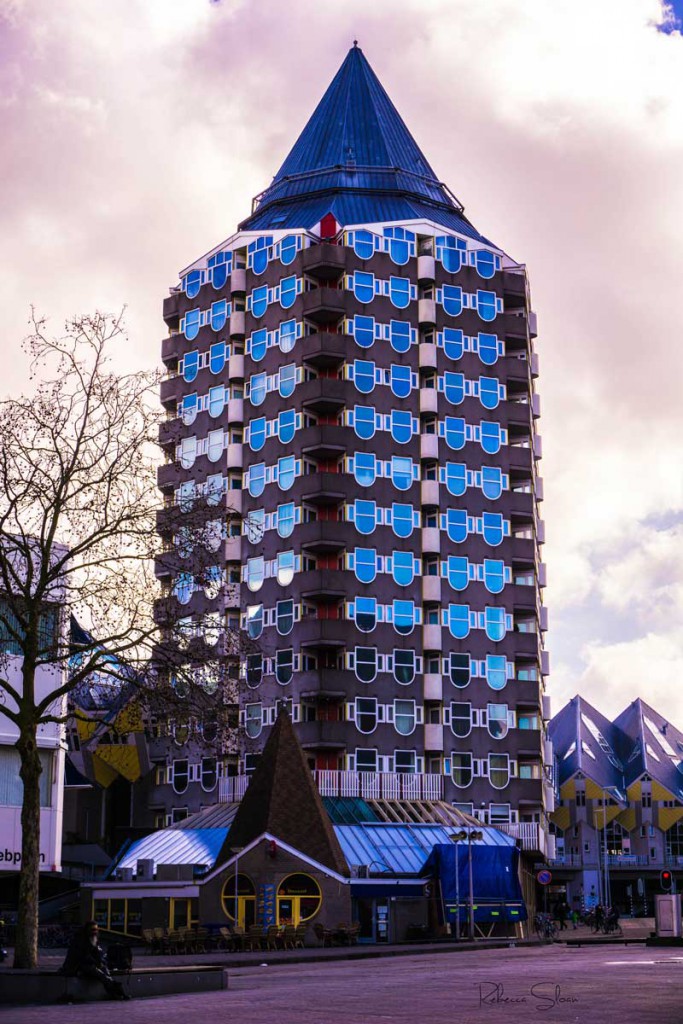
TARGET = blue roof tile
(357,160)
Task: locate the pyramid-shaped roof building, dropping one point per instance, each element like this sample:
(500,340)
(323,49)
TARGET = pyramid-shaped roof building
(357,160)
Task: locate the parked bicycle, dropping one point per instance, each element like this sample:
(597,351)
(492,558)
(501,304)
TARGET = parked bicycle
(545,927)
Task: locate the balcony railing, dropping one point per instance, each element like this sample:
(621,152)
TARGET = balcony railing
(368,785)
(529,834)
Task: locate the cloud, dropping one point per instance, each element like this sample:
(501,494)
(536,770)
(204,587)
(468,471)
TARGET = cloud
(136,133)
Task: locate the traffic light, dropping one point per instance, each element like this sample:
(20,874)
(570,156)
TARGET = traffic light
(666,880)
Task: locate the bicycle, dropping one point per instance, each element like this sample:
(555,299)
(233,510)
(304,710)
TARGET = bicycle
(545,927)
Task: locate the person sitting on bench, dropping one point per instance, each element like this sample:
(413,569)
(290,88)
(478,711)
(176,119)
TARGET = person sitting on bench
(86,959)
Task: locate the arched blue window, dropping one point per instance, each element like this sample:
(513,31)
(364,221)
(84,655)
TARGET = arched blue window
(191,324)
(288,249)
(364,421)
(255,524)
(256,479)
(454,387)
(497,724)
(215,443)
(458,571)
(365,613)
(286,426)
(364,468)
(219,275)
(399,244)
(284,617)
(192,282)
(486,305)
(285,517)
(453,342)
(401,380)
(400,336)
(287,339)
(491,438)
(217,357)
(254,621)
(494,575)
(494,623)
(456,524)
(287,380)
(401,426)
(460,670)
(285,567)
(403,568)
(286,472)
(189,409)
(456,478)
(492,482)
(364,330)
(488,348)
(485,262)
(496,671)
(219,314)
(459,620)
(288,292)
(257,388)
(259,300)
(363,244)
(190,366)
(404,666)
(259,344)
(449,250)
(454,432)
(365,515)
(402,472)
(257,254)
(489,392)
(452,299)
(365,561)
(399,291)
(284,666)
(364,286)
(402,519)
(216,400)
(183,587)
(364,376)
(492,528)
(403,614)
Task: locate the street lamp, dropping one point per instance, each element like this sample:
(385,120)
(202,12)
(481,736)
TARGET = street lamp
(472,835)
(237,851)
(455,838)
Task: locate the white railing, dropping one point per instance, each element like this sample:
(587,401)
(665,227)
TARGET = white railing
(368,785)
(529,833)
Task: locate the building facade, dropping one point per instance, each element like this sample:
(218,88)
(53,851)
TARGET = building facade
(352,478)
(619,819)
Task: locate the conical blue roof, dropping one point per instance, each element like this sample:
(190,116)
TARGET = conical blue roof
(356,159)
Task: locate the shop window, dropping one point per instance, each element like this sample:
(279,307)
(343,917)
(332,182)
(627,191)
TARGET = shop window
(239,901)
(298,899)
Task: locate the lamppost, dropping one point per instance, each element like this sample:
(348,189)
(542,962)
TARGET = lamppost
(472,835)
(237,851)
(455,838)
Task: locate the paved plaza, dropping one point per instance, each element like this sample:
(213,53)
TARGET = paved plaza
(603,985)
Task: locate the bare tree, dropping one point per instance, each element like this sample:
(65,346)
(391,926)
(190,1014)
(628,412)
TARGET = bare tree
(78,504)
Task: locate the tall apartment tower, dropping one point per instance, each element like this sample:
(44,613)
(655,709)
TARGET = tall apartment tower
(352,399)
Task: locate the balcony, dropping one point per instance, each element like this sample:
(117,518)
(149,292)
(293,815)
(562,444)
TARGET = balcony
(324,305)
(327,441)
(324,395)
(325,261)
(172,307)
(529,835)
(325,349)
(368,785)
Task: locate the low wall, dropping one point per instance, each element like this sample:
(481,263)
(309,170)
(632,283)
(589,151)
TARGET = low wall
(31,987)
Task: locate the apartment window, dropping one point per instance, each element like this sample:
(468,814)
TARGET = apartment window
(254,670)
(285,515)
(404,615)
(461,718)
(399,335)
(404,717)
(181,775)
(461,769)
(366,714)
(365,663)
(364,468)
(284,666)
(253,720)
(580,797)
(405,762)
(284,617)
(364,330)
(459,669)
(366,760)
(404,666)
(287,380)
(402,520)
(496,671)
(402,472)
(364,421)
(497,720)
(209,774)
(499,770)
(366,614)
(403,567)
(365,564)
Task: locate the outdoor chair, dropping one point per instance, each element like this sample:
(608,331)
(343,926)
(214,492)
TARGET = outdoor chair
(289,937)
(300,936)
(353,933)
(161,936)
(273,937)
(255,936)
(152,943)
(201,940)
(176,943)
(225,939)
(324,935)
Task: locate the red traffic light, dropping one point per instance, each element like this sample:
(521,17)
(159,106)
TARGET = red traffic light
(666,880)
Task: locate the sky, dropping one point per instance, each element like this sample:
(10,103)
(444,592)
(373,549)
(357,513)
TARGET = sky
(135,134)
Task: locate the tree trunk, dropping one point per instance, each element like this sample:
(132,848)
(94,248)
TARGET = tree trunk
(26,947)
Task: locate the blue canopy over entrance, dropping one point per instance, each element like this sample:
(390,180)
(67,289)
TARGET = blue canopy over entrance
(495,882)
